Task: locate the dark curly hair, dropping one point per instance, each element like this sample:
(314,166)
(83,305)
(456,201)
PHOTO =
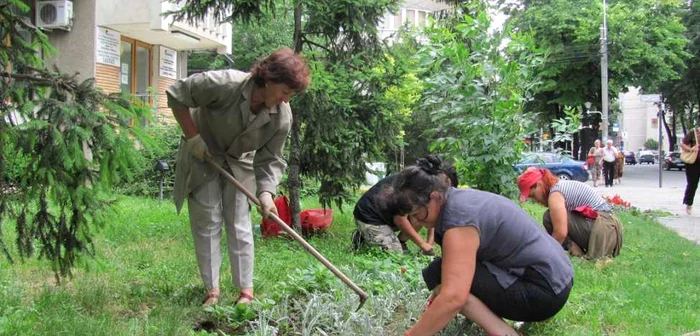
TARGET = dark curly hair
(415,183)
(285,67)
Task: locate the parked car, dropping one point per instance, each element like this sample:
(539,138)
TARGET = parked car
(673,161)
(645,156)
(656,154)
(563,167)
(630,158)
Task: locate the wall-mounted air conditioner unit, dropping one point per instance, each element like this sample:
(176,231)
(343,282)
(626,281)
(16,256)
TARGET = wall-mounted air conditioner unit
(55,14)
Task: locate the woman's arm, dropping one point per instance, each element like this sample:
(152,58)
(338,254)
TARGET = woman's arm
(685,143)
(686,147)
(405,226)
(458,264)
(559,215)
(431,236)
(184,119)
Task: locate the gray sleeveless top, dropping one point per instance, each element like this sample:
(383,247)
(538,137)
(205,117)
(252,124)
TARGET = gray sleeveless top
(510,240)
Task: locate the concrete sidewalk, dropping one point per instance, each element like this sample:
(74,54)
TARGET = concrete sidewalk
(668,199)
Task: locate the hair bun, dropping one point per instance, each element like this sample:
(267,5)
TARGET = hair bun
(430,164)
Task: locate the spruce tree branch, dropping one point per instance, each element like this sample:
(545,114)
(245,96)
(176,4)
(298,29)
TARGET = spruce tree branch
(312,43)
(60,82)
(26,78)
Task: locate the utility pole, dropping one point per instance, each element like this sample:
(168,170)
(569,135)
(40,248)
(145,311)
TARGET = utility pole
(604,72)
(659,123)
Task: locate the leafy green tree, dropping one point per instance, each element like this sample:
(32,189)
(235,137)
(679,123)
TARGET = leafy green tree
(475,94)
(255,39)
(565,128)
(642,35)
(682,95)
(651,144)
(250,41)
(63,144)
(344,122)
(415,143)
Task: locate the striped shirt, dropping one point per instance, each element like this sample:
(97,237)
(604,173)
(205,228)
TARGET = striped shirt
(578,193)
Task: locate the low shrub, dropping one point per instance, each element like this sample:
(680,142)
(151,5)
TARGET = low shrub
(145,181)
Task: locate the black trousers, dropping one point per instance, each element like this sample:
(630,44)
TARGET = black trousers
(609,172)
(692,175)
(530,299)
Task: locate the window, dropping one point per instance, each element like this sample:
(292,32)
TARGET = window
(411,16)
(136,70)
(422,19)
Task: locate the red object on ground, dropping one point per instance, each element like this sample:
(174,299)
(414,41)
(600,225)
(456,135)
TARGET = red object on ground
(269,228)
(316,219)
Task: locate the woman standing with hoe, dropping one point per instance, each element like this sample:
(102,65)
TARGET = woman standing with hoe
(241,121)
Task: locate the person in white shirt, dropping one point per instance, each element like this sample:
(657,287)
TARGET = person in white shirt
(608,163)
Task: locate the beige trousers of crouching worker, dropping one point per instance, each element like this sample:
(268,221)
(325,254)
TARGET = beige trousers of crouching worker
(215,204)
(379,235)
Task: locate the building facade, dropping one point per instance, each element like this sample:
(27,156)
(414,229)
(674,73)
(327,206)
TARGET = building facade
(125,45)
(639,119)
(412,12)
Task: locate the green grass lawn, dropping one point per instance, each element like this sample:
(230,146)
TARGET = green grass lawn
(144,281)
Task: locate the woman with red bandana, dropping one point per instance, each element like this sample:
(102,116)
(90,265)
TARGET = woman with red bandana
(578,217)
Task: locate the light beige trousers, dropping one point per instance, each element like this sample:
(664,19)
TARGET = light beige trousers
(380,235)
(212,206)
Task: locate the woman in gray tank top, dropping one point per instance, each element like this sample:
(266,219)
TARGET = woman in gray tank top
(578,217)
(496,262)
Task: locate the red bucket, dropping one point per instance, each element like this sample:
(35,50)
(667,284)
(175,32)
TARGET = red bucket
(313,220)
(269,228)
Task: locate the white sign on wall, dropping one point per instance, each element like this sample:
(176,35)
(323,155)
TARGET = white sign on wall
(168,62)
(107,46)
(650,98)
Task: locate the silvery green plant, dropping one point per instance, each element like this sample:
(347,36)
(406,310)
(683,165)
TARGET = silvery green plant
(397,302)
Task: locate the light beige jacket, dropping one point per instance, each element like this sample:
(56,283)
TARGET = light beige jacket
(219,102)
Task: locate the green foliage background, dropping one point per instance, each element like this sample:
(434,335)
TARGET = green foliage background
(475,94)
(67,144)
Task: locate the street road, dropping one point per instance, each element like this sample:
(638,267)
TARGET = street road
(640,187)
(646,175)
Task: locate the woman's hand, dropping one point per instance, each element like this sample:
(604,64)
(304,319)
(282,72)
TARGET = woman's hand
(458,264)
(575,250)
(427,249)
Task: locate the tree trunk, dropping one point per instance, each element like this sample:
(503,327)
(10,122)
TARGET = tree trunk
(295,148)
(667,128)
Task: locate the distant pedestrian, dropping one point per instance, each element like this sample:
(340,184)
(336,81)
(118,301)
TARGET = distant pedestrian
(692,171)
(596,152)
(608,162)
(619,166)
(578,217)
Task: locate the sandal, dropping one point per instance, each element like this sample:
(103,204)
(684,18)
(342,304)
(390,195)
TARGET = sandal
(212,298)
(244,298)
